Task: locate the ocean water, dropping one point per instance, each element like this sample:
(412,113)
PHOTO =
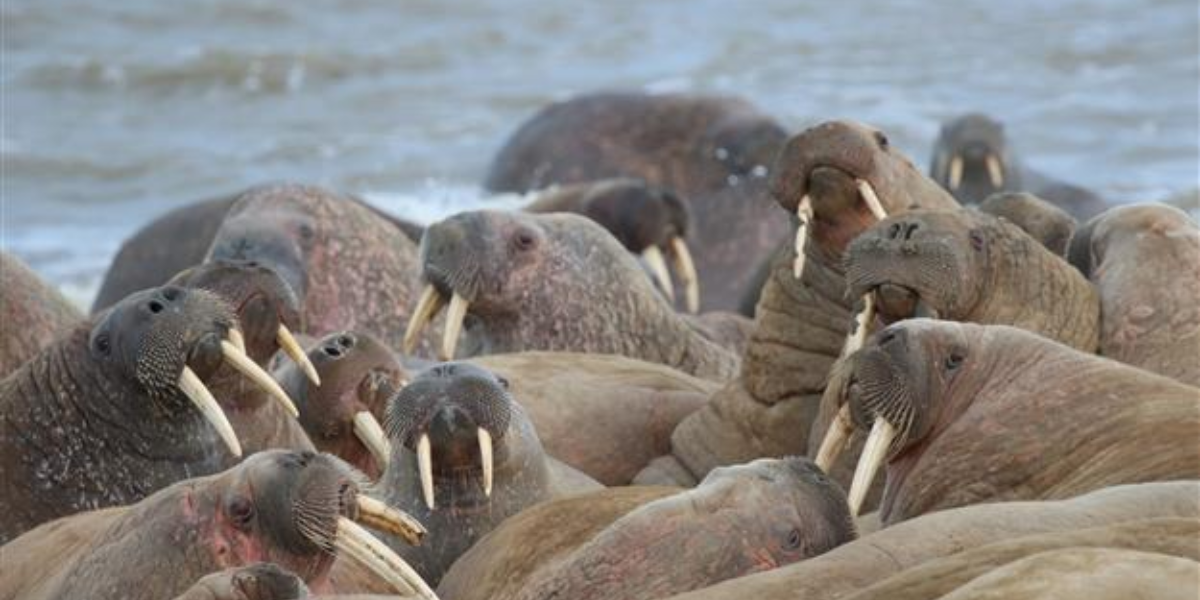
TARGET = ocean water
(114,112)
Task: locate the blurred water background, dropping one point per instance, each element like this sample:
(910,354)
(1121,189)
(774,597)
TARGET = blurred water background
(115,112)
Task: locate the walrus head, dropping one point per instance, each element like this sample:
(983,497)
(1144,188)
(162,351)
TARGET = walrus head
(358,375)
(971,158)
(1124,225)
(1046,223)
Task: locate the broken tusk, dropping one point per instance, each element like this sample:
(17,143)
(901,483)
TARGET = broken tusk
(686,268)
(195,390)
(377,515)
(370,433)
(873,453)
(292,348)
(454,322)
(236,359)
(862,326)
(658,271)
(425,468)
(373,554)
(427,308)
(804,212)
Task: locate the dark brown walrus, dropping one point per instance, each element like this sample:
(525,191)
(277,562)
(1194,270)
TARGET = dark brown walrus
(33,314)
(872,558)
(297,509)
(518,281)
(1145,261)
(831,173)
(116,409)
(714,152)
(963,413)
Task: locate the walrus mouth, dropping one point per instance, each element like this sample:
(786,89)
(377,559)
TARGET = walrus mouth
(685,268)
(363,547)
(428,306)
(995,171)
(425,465)
(897,303)
(804,211)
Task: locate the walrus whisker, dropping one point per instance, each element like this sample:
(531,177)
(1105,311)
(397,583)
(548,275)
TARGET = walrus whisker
(242,363)
(485,457)
(291,347)
(377,515)
(873,453)
(192,387)
(454,322)
(425,468)
(658,271)
(871,199)
(835,439)
(370,433)
(373,554)
(804,212)
(686,267)
(428,306)
(995,171)
(956,170)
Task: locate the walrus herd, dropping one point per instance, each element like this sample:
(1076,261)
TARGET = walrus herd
(707,358)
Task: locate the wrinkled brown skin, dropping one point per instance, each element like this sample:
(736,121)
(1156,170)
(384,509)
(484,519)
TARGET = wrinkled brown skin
(873,558)
(358,373)
(973,136)
(351,268)
(1047,223)
(261,301)
(1145,262)
(800,325)
(992,413)
(740,520)
(559,282)
(715,152)
(33,314)
(603,414)
(1007,568)
(82,427)
(259,581)
(161,546)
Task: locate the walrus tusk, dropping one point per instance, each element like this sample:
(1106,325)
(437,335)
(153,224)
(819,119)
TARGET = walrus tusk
(377,515)
(454,322)
(368,431)
(253,372)
(427,308)
(835,439)
(804,212)
(292,348)
(687,273)
(873,453)
(237,339)
(373,554)
(485,457)
(995,172)
(871,200)
(956,167)
(425,468)
(862,323)
(194,389)
(658,270)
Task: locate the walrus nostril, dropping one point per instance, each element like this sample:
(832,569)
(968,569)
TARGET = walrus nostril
(332,351)
(888,337)
(346,341)
(155,306)
(171,294)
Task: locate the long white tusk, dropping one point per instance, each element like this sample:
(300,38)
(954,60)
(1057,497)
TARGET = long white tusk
(373,554)
(195,390)
(872,200)
(956,167)
(804,212)
(454,322)
(292,348)
(995,171)
(485,457)
(862,326)
(254,373)
(835,439)
(425,468)
(235,336)
(427,308)
(873,453)
(686,268)
(369,432)
(377,515)
(658,270)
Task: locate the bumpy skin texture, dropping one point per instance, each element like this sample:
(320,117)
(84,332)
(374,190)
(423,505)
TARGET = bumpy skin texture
(350,267)
(261,301)
(873,558)
(34,314)
(739,520)
(161,546)
(1045,222)
(97,418)
(800,324)
(1145,262)
(964,396)
(973,138)
(714,152)
(559,282)
(260,581)
(358,373)
(636,213)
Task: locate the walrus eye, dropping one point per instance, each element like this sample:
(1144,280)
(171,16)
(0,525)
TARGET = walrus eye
(502,381)
(241,511)
(102,344)
(523,240)
(954,361)
(977,240)
(306,233)
(881,139)
(793,540)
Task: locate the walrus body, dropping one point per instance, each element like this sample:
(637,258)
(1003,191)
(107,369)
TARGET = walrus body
(713,152)
(1046,223)
(33,312)
(1145,262)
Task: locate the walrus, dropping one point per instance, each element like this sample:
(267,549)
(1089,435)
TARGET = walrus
(962,413)
(1047,223)
(714,152)
(1145,262)
(299,510)
(257,581)
(972,159)
(33,311)
(842,177)
(519,281)
(873,558)
(117,408)
(464,457)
